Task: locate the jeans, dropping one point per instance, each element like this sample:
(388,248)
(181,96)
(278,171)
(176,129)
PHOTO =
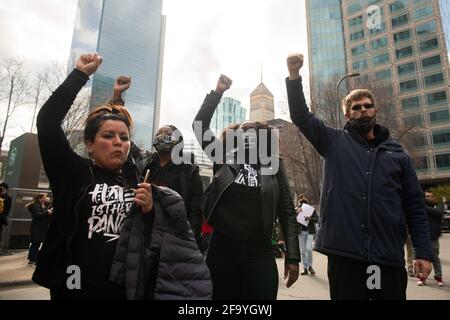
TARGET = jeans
(436,261)
(306,243)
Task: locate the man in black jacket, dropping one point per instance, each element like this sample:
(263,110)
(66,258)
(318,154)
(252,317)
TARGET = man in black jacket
(435,216)
(370,194)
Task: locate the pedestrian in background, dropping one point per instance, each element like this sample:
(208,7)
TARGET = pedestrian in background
(5,207)
(39,225)
(435,216)
(306,236)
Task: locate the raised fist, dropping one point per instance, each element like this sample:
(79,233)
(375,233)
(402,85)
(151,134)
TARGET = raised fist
(121,84)
(223,84)
(294,64)
(89,63)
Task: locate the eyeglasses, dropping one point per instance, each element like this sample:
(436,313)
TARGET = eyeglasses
(358,107)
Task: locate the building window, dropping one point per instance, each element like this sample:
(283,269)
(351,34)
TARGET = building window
(442,161)
(398,5)
(383,74)
(441,138)
(357,35)
(423,12)
(355,21)
(434,79)
(402,36)
(411,103)
(406,68)
(435,98)
(408,85)
(420,163)
(378,30)
(434,61)
(360,65)
(404,52)
(380,59)
(429,45)
(359,50)
(399,21)
(379,43)
(413,121)
(354,7)
(426,28)
(439,116)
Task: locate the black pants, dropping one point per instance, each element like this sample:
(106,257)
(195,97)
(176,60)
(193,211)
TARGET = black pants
(242,270)
(348,279)
(33,251)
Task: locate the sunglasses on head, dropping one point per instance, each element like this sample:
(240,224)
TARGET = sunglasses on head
(358,107)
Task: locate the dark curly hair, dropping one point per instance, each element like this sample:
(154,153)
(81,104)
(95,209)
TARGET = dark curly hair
(102,113)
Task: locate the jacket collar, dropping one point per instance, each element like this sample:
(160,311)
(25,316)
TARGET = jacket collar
(382,136)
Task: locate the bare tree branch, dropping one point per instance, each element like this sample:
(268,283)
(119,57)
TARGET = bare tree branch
(16,87)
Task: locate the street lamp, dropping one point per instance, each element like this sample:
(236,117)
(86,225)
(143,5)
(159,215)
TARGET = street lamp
(350,75)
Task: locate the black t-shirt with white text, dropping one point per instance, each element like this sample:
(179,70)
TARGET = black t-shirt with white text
(101,213)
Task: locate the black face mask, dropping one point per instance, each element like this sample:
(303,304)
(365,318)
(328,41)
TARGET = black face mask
(362,125)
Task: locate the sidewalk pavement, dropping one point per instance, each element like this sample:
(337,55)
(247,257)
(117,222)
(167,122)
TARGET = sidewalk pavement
(14,269)
(15,280)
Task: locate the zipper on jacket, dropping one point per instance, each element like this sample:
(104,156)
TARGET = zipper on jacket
(274,214)
(69,240)
(215,203)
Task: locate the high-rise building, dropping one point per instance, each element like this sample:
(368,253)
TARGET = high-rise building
(325,42)
(403,45)
(228,111)
(262,106)
(130,37)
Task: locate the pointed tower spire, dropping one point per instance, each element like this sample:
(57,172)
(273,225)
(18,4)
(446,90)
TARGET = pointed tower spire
(261,73)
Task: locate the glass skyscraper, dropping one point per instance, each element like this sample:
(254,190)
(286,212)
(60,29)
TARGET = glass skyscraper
(228,111)
(403,46)
(130,36)
(325,42)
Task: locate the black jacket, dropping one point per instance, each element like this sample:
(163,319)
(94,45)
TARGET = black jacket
(163,262)
(39,223)
(191,187)
(70,176)
(276,197)
(369,194)
(435,216)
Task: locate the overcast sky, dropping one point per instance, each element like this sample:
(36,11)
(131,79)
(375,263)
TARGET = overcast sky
(204,38)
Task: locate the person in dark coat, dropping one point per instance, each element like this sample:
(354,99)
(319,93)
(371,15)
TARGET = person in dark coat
(92,197)
(6,200)
(245,198)
(39,225)
(435,216)
(370,195)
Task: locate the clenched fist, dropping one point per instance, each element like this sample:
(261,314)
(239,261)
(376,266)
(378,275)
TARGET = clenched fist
(121,84)
(89,63)
(294,64)
(223,84)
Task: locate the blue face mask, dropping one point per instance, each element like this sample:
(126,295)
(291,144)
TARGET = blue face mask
(164,143)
